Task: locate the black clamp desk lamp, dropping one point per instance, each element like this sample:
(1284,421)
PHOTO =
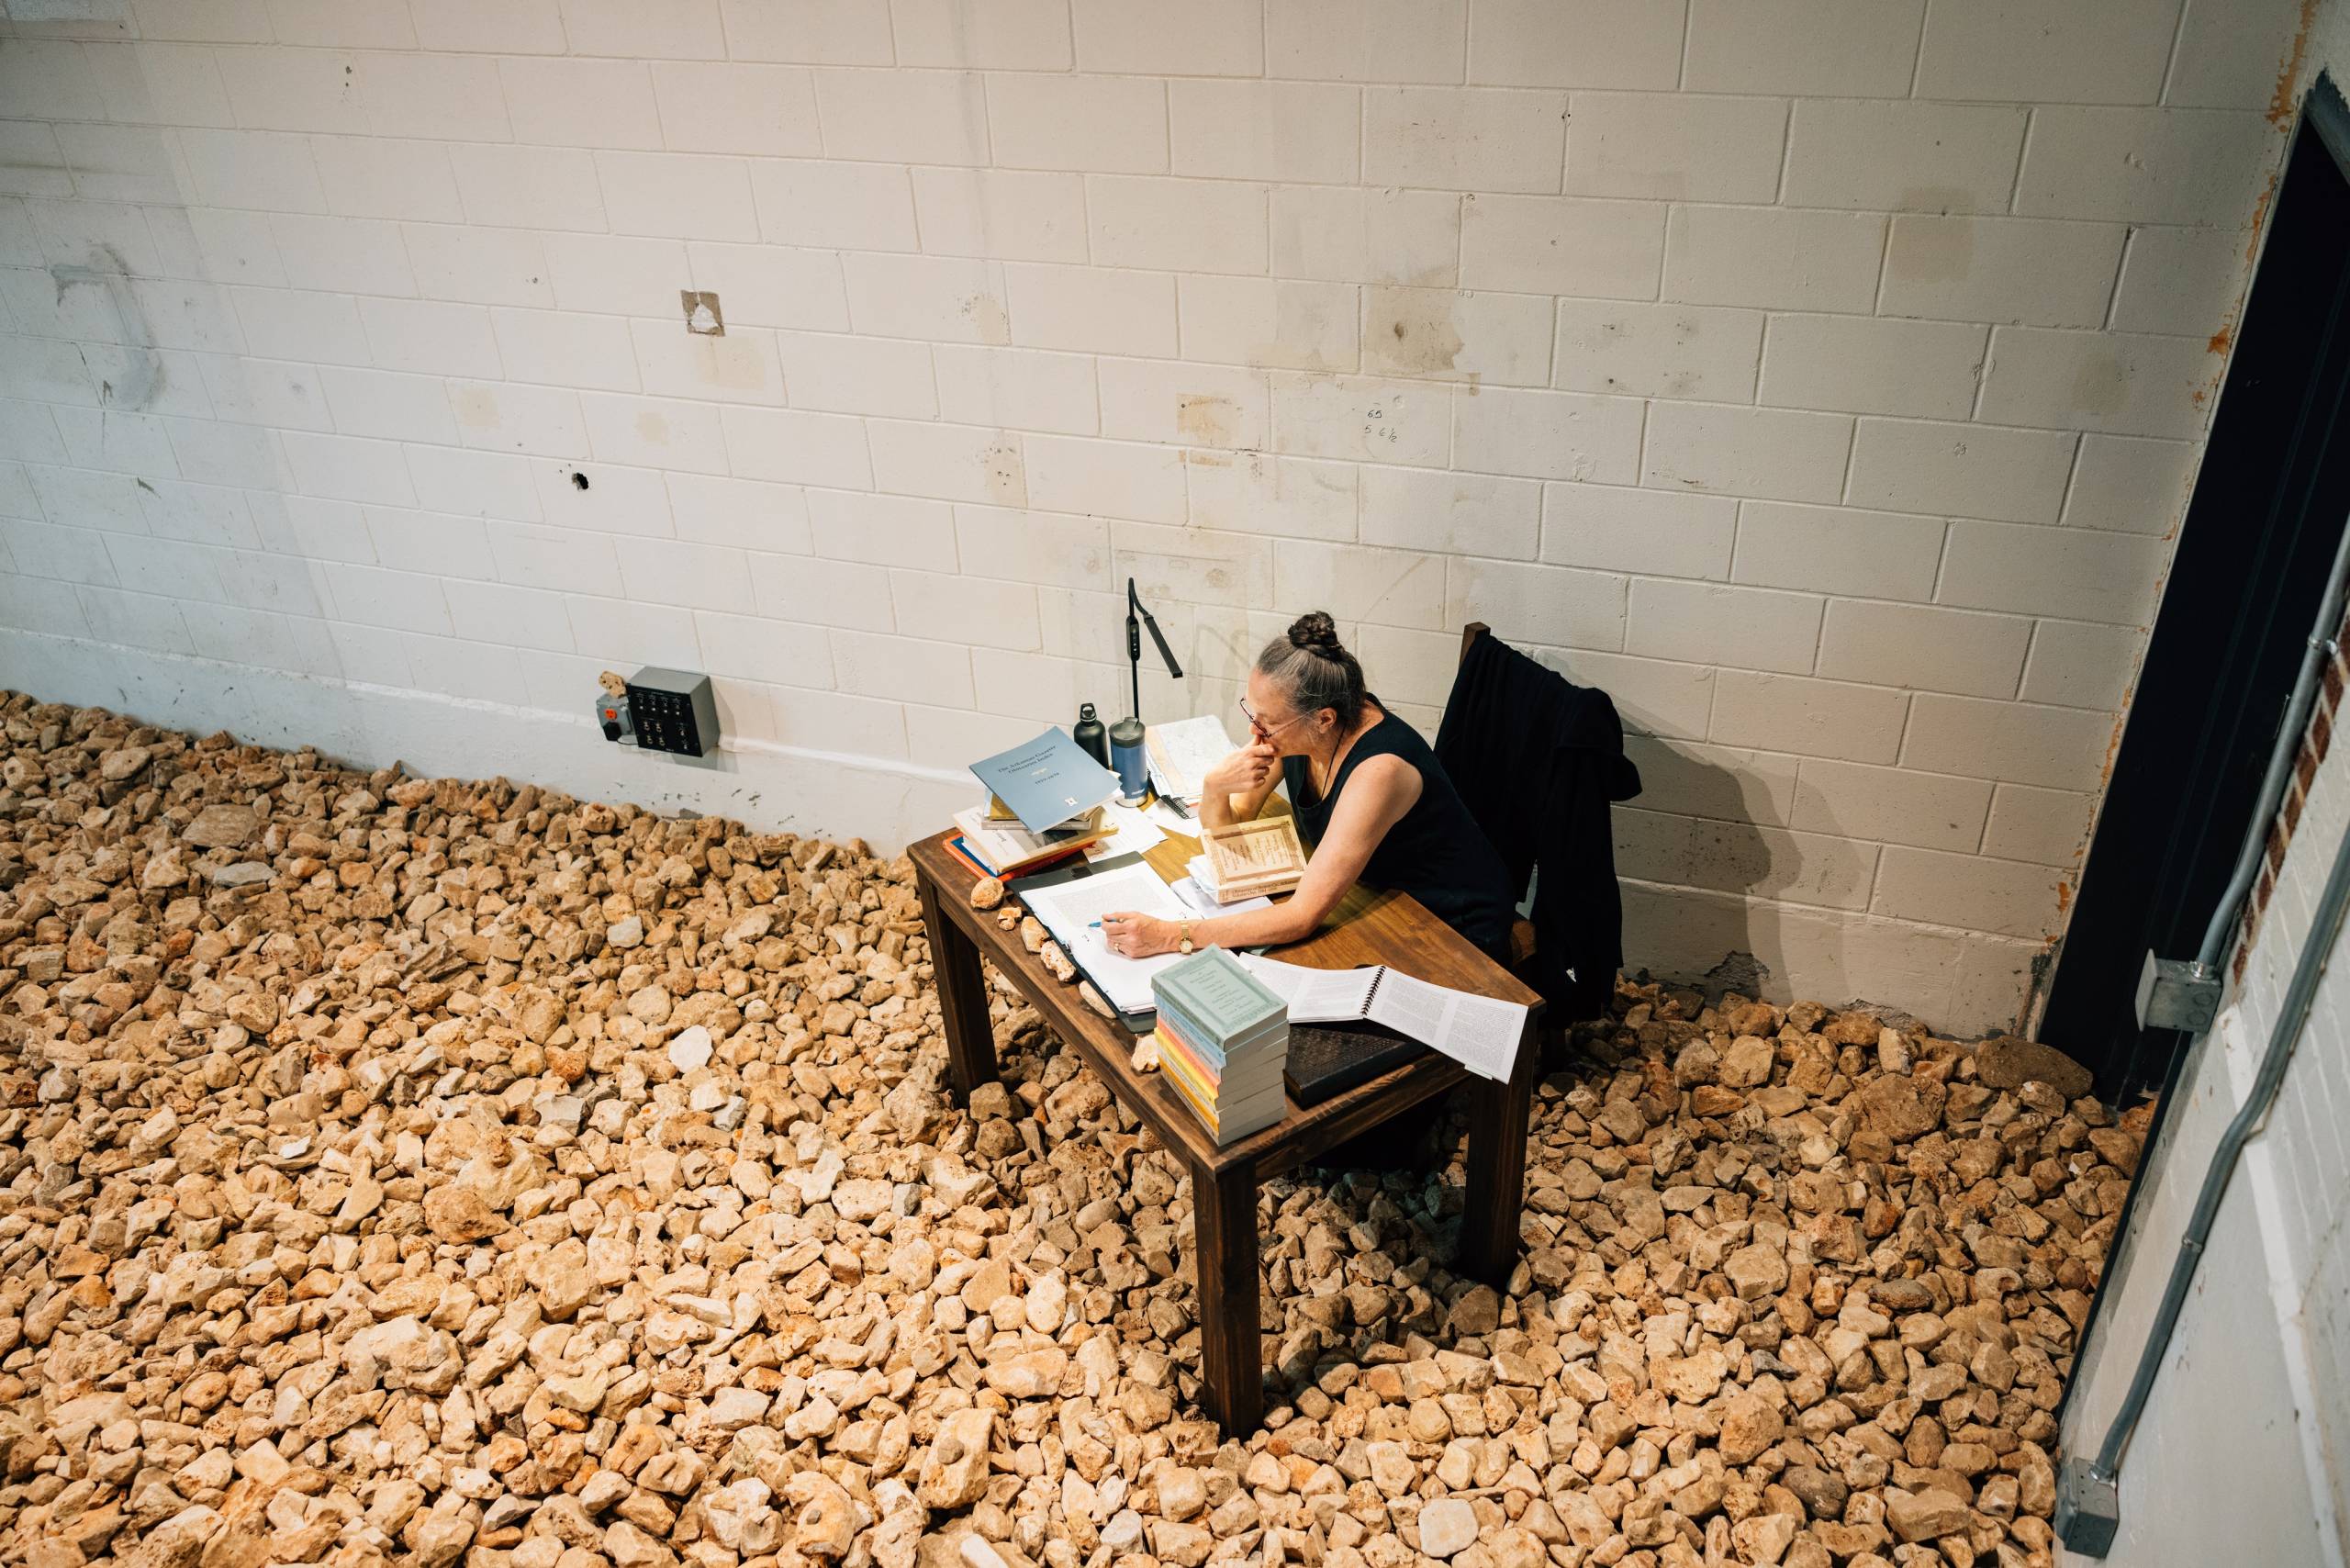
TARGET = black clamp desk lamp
(1126,754)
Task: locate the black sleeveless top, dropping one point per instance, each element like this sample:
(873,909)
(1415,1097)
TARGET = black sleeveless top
(1436,851)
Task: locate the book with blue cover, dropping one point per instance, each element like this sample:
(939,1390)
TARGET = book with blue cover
(1048,780)
(1223,1036)
(1211,1047)
(1212,990)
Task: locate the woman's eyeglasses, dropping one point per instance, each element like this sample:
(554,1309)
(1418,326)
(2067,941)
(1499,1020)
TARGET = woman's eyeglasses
(1259,725)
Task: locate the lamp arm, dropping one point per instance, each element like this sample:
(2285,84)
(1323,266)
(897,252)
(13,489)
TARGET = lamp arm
(1134,644)
(1173,669)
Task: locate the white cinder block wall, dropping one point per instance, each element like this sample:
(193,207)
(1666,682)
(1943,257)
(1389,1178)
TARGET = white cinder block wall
(1821,377)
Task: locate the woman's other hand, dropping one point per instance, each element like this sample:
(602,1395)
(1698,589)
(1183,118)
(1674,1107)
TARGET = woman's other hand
(1134,935)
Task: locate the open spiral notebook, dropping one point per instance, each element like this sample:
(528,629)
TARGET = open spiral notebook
(1481,1033)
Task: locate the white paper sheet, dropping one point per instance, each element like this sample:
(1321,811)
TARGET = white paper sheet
(1136,832)
(1182,752)
(1163,814)
(1191,891)
(1481,1033)
(1068,908)
(1315,996)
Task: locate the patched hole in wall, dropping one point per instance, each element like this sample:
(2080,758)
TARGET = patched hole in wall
(702,314)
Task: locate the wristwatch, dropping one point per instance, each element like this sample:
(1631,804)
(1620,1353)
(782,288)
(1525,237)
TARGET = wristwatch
(1186,946)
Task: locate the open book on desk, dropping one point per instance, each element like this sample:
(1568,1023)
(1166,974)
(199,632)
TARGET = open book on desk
(1072,913)
(1481,1033)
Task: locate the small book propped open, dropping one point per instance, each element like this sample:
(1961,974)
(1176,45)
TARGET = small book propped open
(1252,859)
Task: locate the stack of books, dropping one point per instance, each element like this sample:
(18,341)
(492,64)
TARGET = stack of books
(1045,805)
(1223,1038)
(996,848)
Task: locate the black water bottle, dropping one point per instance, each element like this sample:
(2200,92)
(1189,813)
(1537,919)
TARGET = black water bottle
(1090,739)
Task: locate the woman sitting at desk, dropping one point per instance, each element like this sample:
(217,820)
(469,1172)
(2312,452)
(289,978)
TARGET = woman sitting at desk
(1370,798)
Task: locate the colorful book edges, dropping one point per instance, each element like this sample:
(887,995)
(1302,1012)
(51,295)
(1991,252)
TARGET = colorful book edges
(1242,1062)
(961,850)
(1225,1116)
(1223,1039)
(1255,1074)
(1011,850)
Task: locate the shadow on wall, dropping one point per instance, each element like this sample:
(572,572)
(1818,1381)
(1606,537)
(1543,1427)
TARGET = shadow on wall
(1719,894)
(1688,851)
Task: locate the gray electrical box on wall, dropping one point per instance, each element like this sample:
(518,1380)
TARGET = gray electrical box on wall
(673,711)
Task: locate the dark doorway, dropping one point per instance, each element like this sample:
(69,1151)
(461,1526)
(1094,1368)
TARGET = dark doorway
(2259,539)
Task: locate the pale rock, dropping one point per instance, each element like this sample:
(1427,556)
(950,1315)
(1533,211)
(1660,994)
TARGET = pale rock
(955,1472)
(1182,1493)
(1448,1526)
(1764,1539)
(820,1417)
(1892,1050)
(1924,1516)
(1757,1270)
(124,762)
(223,826)
(826,1526)
(177,1541)
(817,1182)
(987,1284)
(689,1048)
(1747,1062)
(862,1201)
(629,1546)
(1748,1426)
(732,1409)
(438,1540)
(1047,1299)
(1391,1470)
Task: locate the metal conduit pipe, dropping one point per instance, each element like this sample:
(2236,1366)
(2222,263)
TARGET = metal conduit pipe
(2087,1501)
(2087,1504)
(2184,993)
(2280,762)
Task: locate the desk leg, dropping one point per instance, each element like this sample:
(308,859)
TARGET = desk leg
(962,997)
(1231,1368)
(1499,1115)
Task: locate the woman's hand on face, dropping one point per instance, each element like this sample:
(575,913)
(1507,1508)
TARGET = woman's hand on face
(1133,935)
(1243,770)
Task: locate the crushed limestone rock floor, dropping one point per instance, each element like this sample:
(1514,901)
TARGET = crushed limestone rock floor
(406,1170)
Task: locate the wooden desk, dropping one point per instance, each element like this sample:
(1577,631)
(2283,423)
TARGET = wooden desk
(1365,928)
